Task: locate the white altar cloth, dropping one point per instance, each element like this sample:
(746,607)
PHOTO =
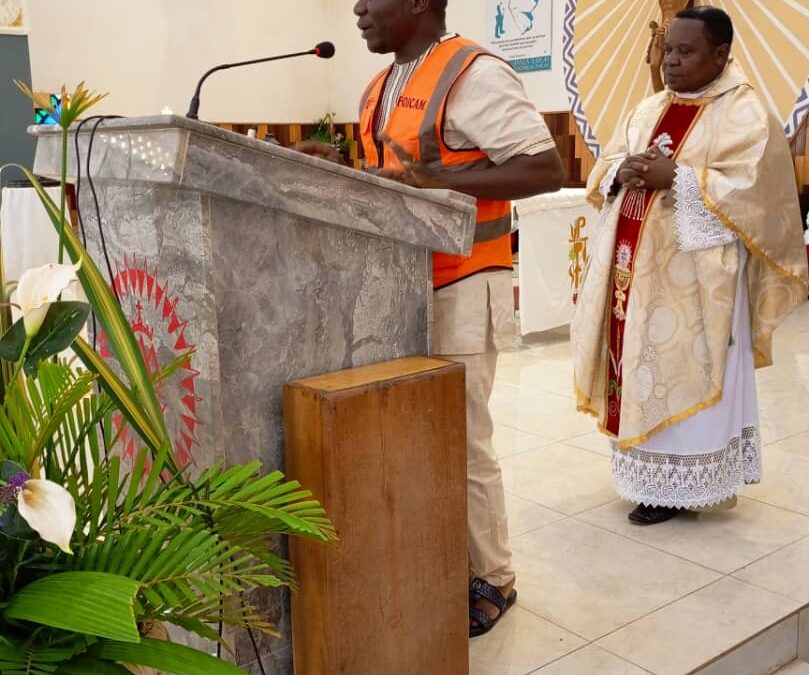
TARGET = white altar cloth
(546,288)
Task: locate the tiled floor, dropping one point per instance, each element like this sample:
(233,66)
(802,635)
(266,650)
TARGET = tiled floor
(600,597)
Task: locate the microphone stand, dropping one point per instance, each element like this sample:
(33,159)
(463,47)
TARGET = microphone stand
(193,108)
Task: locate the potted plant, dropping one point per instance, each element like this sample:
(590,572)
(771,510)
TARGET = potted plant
(93,552)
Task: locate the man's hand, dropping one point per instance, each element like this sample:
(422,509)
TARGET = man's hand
(318,149)
(517,178)
(651,170)
(660,172)
(413,172)
(633,172)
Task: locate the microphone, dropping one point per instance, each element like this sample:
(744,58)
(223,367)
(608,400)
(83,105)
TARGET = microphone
(324,50)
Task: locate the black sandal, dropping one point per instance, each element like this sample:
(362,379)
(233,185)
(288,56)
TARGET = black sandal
(481,590)
(652,515)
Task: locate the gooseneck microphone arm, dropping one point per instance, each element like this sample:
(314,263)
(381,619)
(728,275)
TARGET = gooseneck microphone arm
(325,50)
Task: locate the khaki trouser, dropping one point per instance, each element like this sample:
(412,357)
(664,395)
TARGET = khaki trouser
(473,319)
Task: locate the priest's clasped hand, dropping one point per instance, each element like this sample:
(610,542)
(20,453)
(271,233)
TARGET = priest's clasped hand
(650,170)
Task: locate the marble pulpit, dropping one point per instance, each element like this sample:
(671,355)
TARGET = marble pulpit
(271,265)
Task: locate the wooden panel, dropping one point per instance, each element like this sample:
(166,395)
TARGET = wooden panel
(289,134)
(383,448)
(576,156)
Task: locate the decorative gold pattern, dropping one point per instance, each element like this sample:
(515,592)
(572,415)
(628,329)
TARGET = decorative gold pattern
(579,256)
(612,36)
(686,299)
(11,14)
(623,278)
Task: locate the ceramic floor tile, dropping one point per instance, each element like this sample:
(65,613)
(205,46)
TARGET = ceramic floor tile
(594,442)
(803,635)
(689,633)
(783,413)
(724,540)
(783,572)
(560,477)
(785,475)
(549,415)
(763,653)
(591,660)
(525,516)
(797,445)
(508,441)
(541,374)
(790,363)
(521,643)
(795,668)
(592,582)
(554,341)
(788,383)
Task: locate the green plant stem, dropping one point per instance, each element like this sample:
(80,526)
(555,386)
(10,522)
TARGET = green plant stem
(63,196)
(5,323)
(21,361)
(23,547)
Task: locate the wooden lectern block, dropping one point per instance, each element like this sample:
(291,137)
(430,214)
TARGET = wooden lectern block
(383,447)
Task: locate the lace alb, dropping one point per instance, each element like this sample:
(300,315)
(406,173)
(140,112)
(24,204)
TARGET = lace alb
(696,228)
(688,481)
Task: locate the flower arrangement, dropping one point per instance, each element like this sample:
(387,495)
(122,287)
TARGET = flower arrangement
(93,551)
(324,132)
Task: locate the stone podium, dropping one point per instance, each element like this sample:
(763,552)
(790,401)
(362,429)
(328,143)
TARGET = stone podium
(271,265)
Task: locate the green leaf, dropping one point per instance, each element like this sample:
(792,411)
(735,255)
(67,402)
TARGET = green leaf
(9,469)
(62,324)
(87,665)
(121,339)
(168,656)
(35,659)
(93,603)
(12,342)
(14,526)
(125,401)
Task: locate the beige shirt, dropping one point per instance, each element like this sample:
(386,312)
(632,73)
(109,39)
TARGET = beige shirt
(487,109)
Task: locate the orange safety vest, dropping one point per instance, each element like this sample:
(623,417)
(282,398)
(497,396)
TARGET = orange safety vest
(417,124)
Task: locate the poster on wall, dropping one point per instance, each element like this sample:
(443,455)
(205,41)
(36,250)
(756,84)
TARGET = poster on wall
(12,15)
(520,32)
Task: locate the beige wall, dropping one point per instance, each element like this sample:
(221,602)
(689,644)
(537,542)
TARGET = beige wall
(468,17)
(149,54)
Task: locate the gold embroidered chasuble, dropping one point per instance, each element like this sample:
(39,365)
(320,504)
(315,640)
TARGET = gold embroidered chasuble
(678,315)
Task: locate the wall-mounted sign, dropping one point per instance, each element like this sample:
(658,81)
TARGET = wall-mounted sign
(520,31)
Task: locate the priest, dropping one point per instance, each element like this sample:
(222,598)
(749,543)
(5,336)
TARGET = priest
(700,259)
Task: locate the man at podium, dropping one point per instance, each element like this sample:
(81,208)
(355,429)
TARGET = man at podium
(448,114)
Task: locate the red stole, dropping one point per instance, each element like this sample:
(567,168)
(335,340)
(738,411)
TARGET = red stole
(672,130)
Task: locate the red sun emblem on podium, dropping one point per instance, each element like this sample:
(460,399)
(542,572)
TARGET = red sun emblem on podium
(160,332)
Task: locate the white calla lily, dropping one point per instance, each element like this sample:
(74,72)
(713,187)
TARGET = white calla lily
(38,288)
(49,509)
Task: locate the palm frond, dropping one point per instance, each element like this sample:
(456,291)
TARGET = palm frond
(282,506)
(31,659)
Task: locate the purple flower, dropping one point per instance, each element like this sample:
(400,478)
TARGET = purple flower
(9,492)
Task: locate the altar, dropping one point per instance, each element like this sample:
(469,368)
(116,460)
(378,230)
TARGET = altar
(556,234)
